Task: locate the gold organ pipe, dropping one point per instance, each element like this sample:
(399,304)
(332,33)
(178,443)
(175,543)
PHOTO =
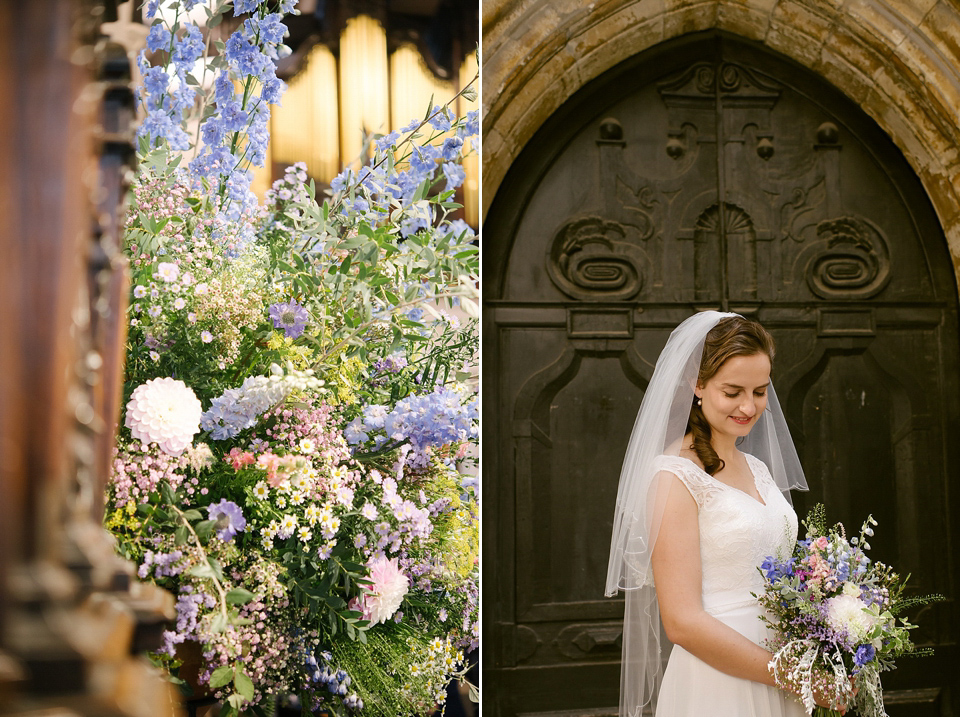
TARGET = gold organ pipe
(364,85)
(412,84)
(306,127)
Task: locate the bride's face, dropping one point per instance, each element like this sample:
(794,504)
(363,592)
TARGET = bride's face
(736,396)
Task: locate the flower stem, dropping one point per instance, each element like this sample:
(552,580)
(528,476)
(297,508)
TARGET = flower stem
(196,539)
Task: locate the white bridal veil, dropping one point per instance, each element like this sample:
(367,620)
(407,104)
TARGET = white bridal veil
(659,428)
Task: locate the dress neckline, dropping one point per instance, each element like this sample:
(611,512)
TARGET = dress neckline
(756,484)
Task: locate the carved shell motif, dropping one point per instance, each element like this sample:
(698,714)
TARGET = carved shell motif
(591,259)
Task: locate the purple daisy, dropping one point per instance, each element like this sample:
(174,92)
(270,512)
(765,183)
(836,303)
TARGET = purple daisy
(291,317)
(229,517)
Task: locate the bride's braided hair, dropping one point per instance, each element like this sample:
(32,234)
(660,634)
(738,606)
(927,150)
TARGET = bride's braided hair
(732,336)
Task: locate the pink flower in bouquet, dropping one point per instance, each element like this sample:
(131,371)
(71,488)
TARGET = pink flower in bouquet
(360,605)
(239,458)
(386,593)
(278,468)
(166,412)
(270,462)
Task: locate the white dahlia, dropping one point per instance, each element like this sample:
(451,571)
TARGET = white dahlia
(166,412)
(848,614)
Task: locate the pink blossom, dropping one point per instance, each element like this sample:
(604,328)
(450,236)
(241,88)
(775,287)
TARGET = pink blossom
(238,458)
(387,591)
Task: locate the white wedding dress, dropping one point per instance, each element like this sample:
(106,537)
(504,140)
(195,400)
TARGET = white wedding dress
(736,533)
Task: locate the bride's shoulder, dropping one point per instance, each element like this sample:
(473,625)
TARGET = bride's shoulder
(680,465)
(761,469)
(679,449)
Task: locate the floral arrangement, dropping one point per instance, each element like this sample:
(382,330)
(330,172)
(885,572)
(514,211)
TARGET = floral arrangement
(293,459)
(836,615)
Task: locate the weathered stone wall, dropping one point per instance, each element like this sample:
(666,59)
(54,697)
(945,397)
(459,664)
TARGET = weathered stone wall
(898,59)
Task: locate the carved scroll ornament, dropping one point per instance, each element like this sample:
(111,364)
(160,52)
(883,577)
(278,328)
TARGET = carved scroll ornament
(592,259)
(850,261)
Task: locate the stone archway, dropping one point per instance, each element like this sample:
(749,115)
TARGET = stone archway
(898,59)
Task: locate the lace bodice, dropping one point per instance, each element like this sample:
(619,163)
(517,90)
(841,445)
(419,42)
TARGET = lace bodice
(736,531)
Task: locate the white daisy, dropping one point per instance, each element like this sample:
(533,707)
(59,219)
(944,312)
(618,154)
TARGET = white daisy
(288,525)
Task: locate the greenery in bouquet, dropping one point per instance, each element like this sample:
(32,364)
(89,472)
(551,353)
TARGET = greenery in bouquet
(837,617)
(293,459)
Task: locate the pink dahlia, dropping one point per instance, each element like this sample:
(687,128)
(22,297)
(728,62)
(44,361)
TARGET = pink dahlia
(386,593)
(166,412)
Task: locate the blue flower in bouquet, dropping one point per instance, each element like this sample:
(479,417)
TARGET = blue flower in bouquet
(270,28)
(244,6)
(392,363)
(188,49)
(387,141)
(864,654)
(354,432)
(424,157)
(440,119)
(775,569)
(472,127)
(159,38)
(451,148)
(291,317)
(374,416)
(229,517)
(455,175)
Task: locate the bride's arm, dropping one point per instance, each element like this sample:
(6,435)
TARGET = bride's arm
(676,571)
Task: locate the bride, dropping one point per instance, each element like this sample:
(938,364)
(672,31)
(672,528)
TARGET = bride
(701,503)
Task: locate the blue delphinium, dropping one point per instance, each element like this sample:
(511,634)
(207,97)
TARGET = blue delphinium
(158,38)
(188,48)
(451,148)
(244,6)
(249,59)
(435,419)
(775,569)
(455,175)
(424,157)
(864,654)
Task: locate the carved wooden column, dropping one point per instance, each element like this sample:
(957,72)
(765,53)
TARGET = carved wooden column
(71,616)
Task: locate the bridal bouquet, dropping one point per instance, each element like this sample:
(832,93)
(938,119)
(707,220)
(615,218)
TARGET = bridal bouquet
(837,620)
(294,458)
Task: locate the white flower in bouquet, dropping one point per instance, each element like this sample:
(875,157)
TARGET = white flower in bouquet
(851,589)
(168,271)
(164,411)
(848,614)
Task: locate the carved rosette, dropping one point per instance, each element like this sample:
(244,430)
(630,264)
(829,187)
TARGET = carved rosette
(850,261)
(592,259)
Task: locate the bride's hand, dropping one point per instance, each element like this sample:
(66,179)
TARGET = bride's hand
(823,698)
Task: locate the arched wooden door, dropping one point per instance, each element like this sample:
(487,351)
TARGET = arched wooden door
(707,174)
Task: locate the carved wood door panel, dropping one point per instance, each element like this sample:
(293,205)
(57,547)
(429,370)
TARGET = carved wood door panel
(706,174)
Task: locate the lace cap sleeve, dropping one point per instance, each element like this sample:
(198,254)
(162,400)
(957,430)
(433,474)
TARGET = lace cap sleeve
(695,480)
